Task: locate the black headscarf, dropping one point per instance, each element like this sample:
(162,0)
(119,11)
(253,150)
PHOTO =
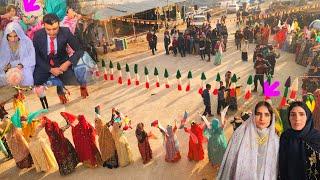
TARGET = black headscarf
(292,157)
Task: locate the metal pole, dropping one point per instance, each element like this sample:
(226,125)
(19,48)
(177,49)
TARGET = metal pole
(165,15)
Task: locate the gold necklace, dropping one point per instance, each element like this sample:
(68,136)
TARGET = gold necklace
(262,140)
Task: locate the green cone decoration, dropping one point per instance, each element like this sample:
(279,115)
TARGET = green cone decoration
(216,83)
(127,68)
(178,76)
(137,80)
(111,70)
(203,78)
(128,75)
(189,81)
(166,75)
(156,73)
(105,74)
(120,73)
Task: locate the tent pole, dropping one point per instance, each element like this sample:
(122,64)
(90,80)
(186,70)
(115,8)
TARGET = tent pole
(106,29)
(134,28)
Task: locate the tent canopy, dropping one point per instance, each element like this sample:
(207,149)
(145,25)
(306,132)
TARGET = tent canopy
(126,9)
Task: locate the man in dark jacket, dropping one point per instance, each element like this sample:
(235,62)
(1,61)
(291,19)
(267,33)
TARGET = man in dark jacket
(167,42)
(181,45)
(261,68)
(206,101)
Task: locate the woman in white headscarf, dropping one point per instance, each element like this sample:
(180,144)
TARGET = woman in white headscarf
(16,51)
(252,152)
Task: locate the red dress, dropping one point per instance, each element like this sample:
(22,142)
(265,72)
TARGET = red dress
(85,144)
(144,146)
(195,148)
(62,149)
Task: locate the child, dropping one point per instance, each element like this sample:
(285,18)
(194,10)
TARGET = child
(221,98)
(40,91)
(206,101)
(244,50)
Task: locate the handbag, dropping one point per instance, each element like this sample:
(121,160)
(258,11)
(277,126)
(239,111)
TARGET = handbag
(84,69)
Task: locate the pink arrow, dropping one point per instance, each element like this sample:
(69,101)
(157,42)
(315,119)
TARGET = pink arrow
(271,91)
(30,5)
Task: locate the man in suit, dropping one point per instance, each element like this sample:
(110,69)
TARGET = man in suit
(52,59)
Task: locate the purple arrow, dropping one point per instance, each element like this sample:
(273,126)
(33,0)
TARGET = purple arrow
(29,5)
(271,91)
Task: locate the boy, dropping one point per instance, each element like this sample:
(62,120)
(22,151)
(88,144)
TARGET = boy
(206,101)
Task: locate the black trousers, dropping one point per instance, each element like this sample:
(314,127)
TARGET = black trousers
(207,110)
(182,51)
(260,78)
(44,102)
(203,54)
(166,47)
(208,53)
(238,45)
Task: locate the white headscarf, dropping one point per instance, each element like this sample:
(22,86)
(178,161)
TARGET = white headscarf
(26,52)
(241,157)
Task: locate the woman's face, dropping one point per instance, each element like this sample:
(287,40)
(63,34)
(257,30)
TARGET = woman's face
(13,37)
(71,13)
(298,118)
(262,117)
(13,12)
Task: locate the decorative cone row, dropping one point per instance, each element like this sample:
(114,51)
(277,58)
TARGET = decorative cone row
(109,75)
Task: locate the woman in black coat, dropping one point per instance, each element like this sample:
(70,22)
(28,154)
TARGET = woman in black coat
(299,153)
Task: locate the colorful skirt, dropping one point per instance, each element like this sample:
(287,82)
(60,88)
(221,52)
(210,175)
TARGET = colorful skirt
(25,163)
(145,151)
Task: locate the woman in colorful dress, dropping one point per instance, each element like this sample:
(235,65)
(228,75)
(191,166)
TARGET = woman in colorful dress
(106,144)
(219,50)
(122,145)
(63,150)
(195,142)
(252,152)
(16,51)
(143,143)
(4,127)
(217,142)
(299,154)
(18,146)
(171,144)
(41,153)
(85,143)
(316,111)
